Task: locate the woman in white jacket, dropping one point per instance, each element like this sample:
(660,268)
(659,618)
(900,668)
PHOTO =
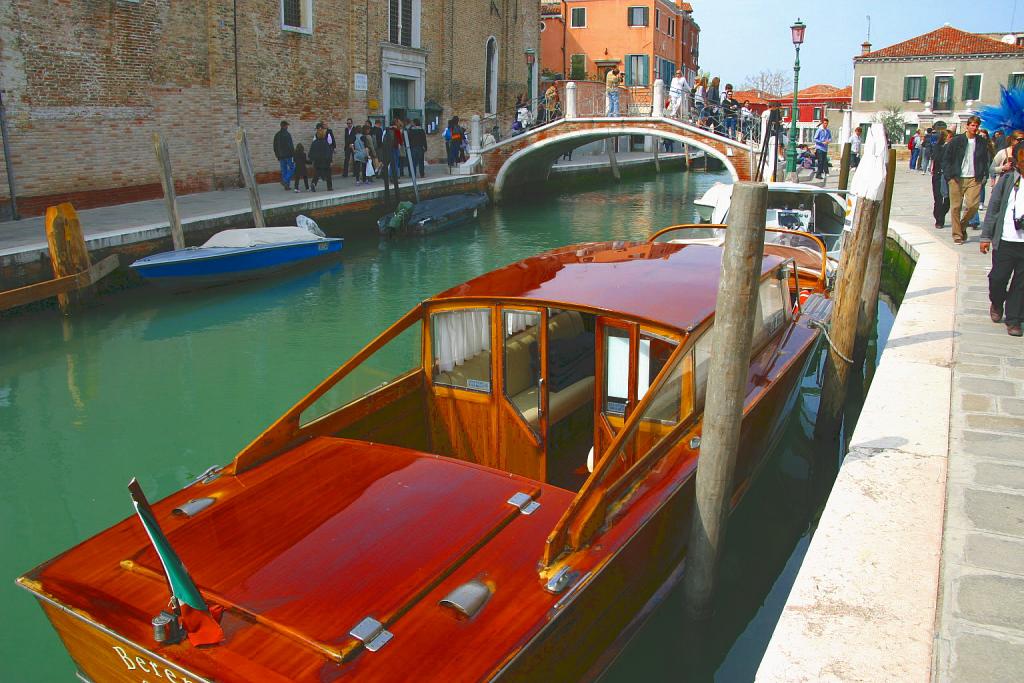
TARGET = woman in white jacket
(678,93)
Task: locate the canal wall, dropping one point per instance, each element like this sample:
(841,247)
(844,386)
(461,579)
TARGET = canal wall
(864,604)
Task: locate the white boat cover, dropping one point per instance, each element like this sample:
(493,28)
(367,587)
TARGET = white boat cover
(259,237)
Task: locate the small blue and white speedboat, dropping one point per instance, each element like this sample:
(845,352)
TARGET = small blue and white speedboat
(233,255)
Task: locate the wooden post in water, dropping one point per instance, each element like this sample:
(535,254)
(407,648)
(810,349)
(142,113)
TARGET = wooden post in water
(612,160)
(844,167)
(657,163)
(727,381)
(852,265)
(68,253)
(163,160)
(873,271)
(686,155)
(245,161)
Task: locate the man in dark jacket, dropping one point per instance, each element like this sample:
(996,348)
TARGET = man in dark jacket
(284,150)
(417,145)
(940,189)
(387,153)
(350,141)
(965,165)
(1003,231)
(321,155)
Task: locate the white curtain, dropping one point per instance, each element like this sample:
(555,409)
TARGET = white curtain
(517,321)
(459,335)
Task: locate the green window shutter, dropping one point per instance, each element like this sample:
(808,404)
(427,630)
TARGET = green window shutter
(867,89)
(952,90)
(907,81)
(924,88)
(645,65)
(629,70)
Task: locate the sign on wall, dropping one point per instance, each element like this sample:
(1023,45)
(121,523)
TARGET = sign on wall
(362,82)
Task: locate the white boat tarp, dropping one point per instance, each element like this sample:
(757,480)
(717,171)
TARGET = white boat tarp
(260,237)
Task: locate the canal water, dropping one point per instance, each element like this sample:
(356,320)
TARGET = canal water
(162,386)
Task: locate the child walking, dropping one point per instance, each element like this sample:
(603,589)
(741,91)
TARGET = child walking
(300,166)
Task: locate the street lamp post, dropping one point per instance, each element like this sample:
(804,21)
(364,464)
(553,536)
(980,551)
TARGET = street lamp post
(798,38)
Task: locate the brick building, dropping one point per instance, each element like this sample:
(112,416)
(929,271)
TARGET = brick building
(83,95)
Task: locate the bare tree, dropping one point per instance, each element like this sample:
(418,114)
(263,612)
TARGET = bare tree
(776,82)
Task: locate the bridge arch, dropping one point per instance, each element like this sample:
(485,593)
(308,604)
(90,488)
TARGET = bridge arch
(535,152)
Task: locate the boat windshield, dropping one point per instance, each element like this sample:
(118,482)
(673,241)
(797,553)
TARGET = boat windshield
(392,360)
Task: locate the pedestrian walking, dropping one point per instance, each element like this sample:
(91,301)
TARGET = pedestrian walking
(914,146)
(855,144)
(730,112)
(822,138)
(321,156)
(397,130)
(965,164)
(349,142)
(453,134)
(699,98)
(678,94)
(940,188)
(417,146)
(388,155)
(373,165)
(551,102)
(1003,233)
(612,81)
(300,167)
(284,149)
(927,144)
(360,139)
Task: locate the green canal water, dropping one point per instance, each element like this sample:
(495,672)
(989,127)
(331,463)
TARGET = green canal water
(162,386)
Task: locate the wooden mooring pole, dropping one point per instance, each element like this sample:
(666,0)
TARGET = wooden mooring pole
(852,265)
(163,160)
(612,160)
(727,382)
(873,271)
(657,163)
(68,253)
(844,167)
(245,161)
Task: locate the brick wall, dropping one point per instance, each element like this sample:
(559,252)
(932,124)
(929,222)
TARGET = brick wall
(85,94)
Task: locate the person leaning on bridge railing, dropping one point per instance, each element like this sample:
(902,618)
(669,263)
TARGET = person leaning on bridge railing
(612,82)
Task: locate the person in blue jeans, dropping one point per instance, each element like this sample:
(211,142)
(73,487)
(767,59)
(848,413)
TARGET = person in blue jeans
(284,150)
(822,138)
(730,111)
(612,82)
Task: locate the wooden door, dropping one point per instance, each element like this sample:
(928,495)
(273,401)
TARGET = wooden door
(522,410)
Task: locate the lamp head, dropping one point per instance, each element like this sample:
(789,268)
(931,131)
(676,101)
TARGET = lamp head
(798,32)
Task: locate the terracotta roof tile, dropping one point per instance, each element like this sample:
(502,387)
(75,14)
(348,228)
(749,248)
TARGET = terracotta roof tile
(819,91)
(751,96)
(945,41)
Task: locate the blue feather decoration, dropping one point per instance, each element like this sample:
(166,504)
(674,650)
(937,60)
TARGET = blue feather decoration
(1008,116)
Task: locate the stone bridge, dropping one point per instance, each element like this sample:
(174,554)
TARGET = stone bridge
(528,157)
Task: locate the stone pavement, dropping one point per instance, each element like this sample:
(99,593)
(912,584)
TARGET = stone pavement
(916,569)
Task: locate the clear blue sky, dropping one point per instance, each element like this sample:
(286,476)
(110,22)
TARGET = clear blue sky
(741,37)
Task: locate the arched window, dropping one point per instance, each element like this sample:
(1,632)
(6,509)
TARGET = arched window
(491,77)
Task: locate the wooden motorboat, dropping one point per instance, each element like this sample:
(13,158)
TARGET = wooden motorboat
(427,511)
(235,255)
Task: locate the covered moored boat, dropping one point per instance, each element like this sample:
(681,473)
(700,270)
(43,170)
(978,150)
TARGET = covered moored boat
(444,524)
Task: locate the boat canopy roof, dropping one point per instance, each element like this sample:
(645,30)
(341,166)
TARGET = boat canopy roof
(672,284)
(258,237)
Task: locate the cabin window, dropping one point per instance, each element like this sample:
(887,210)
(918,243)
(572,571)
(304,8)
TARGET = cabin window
(701,365)
(654,352)
(617,353)
(461,343)
(397,357)
(772,309)
(522,363)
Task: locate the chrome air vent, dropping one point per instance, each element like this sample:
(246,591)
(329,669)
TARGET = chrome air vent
(468,599)
(193,507)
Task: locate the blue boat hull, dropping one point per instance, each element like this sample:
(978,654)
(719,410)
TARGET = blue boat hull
(208,267)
